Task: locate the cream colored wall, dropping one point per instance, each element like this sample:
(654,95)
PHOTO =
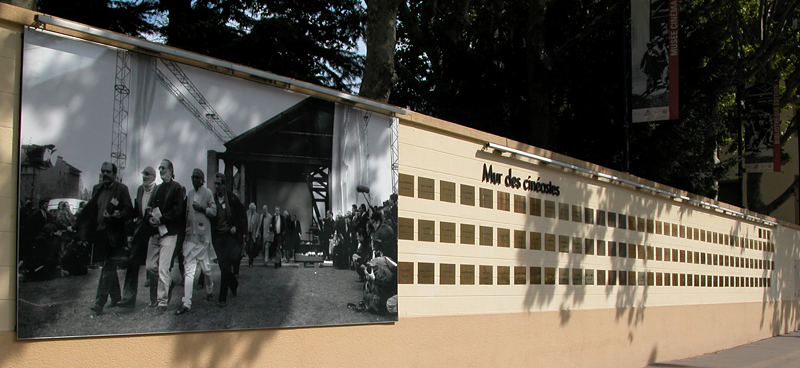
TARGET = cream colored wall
(446,325)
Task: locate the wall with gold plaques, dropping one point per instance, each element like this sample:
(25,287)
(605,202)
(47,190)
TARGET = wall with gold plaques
(491,274)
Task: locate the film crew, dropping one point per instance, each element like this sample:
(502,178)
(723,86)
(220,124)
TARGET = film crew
(251,240)
(141,236)
(384,238)
(265,235)
(230,222)
(166,220)
(200,208)
(278,229)
(103,222)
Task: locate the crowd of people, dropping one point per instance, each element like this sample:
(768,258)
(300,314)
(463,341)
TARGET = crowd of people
(165,223)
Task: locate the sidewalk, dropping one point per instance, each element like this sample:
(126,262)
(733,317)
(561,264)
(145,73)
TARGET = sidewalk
(780,351)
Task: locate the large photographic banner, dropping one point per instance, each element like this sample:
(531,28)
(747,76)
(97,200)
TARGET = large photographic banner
(762,129)
(654,60)
(158,197)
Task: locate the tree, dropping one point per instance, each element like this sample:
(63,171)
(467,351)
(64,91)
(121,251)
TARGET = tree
(131,17)
(381,38)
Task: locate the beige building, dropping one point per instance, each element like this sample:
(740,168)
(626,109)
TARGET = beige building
(509,255)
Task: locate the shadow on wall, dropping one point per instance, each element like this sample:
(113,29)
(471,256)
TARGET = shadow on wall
(780,307)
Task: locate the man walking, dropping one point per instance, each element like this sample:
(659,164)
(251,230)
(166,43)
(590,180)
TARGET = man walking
(200,206)
(227,230)
(103,221)
(141,236)
(166,220)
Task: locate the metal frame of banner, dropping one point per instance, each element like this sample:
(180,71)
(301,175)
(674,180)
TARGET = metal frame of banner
(167,50)
(628,182)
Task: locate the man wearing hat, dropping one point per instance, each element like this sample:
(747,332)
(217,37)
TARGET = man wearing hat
(200,206)
(141,235)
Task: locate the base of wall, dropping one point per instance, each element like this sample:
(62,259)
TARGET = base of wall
(625,337)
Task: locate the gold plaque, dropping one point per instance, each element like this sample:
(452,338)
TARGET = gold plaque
(405,185)
(675,230)
(577,276)
(651,226)
(536,207)
(612,219)
(622,277)
(447,274)
(425,273)
(601,277)
(486,198)
(536,275)
(467,195)
(632,251)
(563,211)
(577,245)
(622,221)
(659,227)
(612,249)
(622,249)
(486,236)
(601,218)
(589,277)
(641,280)
(467,275)
(519,204)
(650,251)
(467,234)
(563,244)
(612,277)
(503,238)
(588,246)
(550,242)
(549,209)
(426,230)
(576,213)
(641,250)
(447,232)
(520,275)
(426,188)
(632,223)
(536,241)
(503,275)
(549,276)
(601,247)
(588,215)
(486,275)
(520,239)
(503,201)
(447,191)
(640,225)
(405,272)
(405,228)
(659,252)
(563,276)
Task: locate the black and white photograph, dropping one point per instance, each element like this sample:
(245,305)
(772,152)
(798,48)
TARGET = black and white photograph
(650,60)
(758,116)
(158,197)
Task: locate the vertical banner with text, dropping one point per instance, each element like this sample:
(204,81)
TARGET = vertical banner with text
(654,60)
(762,128)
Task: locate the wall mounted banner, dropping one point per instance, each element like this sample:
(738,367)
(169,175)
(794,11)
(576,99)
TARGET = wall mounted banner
(762,128)
(654,60)
(156,197)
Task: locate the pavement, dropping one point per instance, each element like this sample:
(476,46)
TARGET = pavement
(779,351)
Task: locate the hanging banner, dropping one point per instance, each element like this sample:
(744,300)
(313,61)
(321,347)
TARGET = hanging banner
(762,129)
(654,60)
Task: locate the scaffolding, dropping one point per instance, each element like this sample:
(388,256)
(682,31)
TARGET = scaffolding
(119,130)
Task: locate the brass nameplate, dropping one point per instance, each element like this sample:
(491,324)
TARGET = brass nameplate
(486,275)
(536,241)
(425,273)
(549,275)
(549,209)
(467,195)
(405,228)
(467,275)
(426,230)
(447,191)
(563,244)
(503,238)
(536,275)
(447,232)
(426,188)
(536,207)
(405,185)
(486,236)
(550,242)
(405,272)
(447,274)
(467,234)
(520,275)
(520,203)
(520,239)
(503,275)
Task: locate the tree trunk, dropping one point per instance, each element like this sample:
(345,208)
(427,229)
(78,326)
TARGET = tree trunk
(379,73)
(755,202)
